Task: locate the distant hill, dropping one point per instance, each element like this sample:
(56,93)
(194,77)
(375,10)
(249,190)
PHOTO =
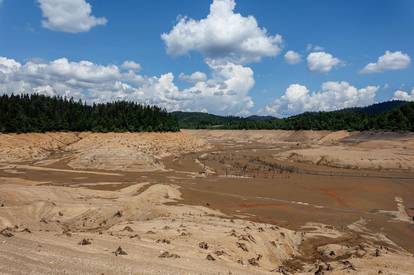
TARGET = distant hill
(199,120)
(378,108)
(390,116)
(255,117)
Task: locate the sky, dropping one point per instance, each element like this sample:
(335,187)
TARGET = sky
(228,57)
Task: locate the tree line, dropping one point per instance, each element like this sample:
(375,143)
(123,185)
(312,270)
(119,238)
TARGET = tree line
(388,116)
(39,113)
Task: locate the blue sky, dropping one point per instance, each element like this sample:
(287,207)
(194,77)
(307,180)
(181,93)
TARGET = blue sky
(238,52)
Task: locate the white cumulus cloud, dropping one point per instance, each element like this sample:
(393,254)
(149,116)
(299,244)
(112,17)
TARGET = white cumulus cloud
(223,35)
(8,65)
(292,57)
(131,65)
(403,95)
(194,77)
(389,61)
(226,92)
(322,62)
(333,96)
(71,16)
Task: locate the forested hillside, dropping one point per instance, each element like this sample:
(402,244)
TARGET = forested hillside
(38,113)
(388,116)
(199,120)
(378,108)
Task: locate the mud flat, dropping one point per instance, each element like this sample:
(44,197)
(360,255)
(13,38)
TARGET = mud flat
(207,202)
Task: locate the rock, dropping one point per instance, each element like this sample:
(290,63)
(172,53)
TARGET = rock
(242,246)
(118,214)
(43,220)
(7,232)
(319,271)
(128,228)
(220,252)
(253,262)
(27,230)
(67,232)
(136,236)
(203,245)
(210,258)
(273,243)
(119,251)
(348,265)
(328,267)
(85,242)
(167,254)
(60,214)
(282,269)
(377,253)
(247,237)
(163,241)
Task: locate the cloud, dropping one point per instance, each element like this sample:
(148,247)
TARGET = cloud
(225,92)
(313,48)
(223,35)
(292,57)
(333,96)
(402,95)
(131,65)
(194,77)
(322,62)
(8,65)
(71,16)
(389,61)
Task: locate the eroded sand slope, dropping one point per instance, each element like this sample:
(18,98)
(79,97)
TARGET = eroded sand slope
(109,151)
(336,149)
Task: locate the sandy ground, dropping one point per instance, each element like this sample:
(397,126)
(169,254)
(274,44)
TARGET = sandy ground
(336,149)
(127,151)
(207,202)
